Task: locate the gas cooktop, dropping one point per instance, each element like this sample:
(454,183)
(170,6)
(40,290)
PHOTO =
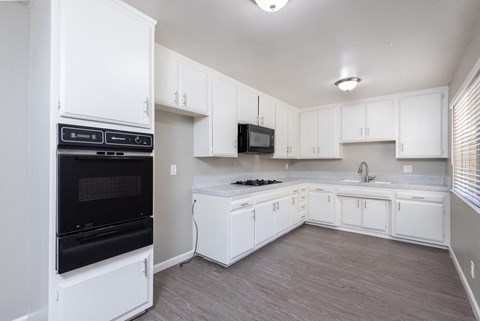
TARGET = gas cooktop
(257,182)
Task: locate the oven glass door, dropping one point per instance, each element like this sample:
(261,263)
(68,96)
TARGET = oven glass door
(97,191)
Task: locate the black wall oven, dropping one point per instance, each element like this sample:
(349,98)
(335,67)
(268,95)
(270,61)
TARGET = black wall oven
(105,194)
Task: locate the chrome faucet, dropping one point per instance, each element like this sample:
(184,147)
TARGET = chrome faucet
(368,178)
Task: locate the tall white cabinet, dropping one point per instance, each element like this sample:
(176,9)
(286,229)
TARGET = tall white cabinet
(105,62)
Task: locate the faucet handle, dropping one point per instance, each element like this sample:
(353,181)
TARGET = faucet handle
(370,178)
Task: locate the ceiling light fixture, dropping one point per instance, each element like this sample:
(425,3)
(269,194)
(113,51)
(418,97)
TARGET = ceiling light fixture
(271,5)
(347,84)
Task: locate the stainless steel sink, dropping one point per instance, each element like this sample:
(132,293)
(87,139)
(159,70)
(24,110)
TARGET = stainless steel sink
(371,182)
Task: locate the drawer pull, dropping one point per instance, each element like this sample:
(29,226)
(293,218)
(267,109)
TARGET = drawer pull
(244,204)
(319,189)
(418,197)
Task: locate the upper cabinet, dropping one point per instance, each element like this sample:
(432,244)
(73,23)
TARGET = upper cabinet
(255,109)
(266,112)
(319,134)
(114,82)
(180,84)
(217,135)
(423,124)
(371,121)
(286,132)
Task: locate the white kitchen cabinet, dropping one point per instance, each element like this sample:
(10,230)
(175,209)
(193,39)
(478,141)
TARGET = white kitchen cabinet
(371,121)
(264,221)
(180,84)
(420,217)
(294,208)
(319,136)
(282,214)
(422,123)
(321,205)
(216,135)
(351,211)
(247,106)
(266,112)
(110,292)
(281,131)
(242,232)
(293,133)
(364,213)
(113,82)
(375,213)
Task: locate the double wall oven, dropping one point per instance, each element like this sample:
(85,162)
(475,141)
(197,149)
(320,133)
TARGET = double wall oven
(105,194)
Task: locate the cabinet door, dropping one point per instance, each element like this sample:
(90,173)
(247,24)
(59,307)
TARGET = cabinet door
(281,131)
(419,220)
(106,63)
(282,214)
(266,112)
(224,115)
(353,123)
(166,79)
(194,88)
(421,126)
(351,211)
(380,125)
(293,133)
(242,232)
(294,213)
(108,295)
(327,133)
(264,221)
(247,107)
(375,214)
(308,134)
(321,207)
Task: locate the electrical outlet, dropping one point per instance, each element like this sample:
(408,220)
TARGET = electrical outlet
(173,170)
(286,165)
(407,168)
(472,269)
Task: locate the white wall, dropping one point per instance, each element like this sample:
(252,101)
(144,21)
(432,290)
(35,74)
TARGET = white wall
(14,30)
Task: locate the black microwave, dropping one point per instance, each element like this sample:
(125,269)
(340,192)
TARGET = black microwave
(254,139)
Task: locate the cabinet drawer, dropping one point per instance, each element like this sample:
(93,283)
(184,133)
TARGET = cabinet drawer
(322,189)
(421,197)
(236,204)
(302,206)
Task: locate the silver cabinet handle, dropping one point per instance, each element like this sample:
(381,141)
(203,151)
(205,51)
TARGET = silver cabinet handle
(361,131)
(319,189)
(274,207)
(401,146)
(145,263)
(244,204)
(176,97)
(318,149)
(253,214)
(329,198)
(368,131)
(398,206)
(313,149)
(418,197)
(147,107)
(365,204)
(358,203)
(278,206)
(293,200)
(185,99)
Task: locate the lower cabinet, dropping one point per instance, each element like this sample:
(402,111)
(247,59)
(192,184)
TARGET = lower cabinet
(264,221)
(419,220)
(294,208)
(282,214)
(115,291)
(242,232)
(369,214)
(321,204)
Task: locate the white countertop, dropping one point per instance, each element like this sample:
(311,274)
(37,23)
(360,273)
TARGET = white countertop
(228,190)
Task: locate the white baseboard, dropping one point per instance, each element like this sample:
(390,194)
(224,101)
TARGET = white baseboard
(22,318)
(468,289)
(171,262)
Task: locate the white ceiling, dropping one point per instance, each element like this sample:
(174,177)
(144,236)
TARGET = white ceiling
(297,54)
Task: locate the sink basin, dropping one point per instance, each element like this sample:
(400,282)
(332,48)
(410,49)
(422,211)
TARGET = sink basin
(351,181)
(371,182)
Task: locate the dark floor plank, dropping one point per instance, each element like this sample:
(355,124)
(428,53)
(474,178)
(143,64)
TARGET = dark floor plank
(316,274)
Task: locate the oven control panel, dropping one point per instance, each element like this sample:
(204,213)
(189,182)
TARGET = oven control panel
(90,137)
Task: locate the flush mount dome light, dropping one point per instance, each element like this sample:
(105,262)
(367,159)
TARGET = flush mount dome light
(271,5)
(347,84)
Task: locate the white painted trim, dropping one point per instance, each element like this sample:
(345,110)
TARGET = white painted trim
(468,289)
(22,318)
(473,72)
(171,262)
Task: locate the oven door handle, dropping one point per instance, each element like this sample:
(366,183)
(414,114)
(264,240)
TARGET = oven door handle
(103,157)
(99,235)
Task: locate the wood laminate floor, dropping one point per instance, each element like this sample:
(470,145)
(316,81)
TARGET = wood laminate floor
(317,274)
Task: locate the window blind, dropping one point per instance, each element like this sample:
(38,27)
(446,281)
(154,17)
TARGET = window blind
(466,143)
